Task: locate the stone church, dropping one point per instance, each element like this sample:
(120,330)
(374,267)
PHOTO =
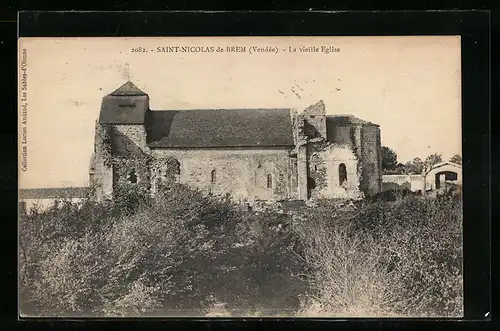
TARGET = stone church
(246,154)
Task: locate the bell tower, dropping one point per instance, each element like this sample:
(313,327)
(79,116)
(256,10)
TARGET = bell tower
(125,105)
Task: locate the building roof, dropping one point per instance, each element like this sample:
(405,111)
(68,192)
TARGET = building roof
(52,193)
(219,128)
(443,165)
(123,109)
(125,105)
(127,89)
(446,163)
(347,120)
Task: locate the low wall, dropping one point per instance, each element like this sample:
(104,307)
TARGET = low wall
(413,183)
(45,198)
(26,205)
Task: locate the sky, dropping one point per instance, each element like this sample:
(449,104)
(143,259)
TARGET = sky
(410,86)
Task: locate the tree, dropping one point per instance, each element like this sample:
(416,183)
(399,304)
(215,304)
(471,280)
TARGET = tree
(389,158)
(457,158)
(415,166)
(432,160)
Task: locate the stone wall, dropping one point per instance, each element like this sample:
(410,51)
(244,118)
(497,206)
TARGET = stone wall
(365,142)
(311,170)
(135,132)
(398,182)
(314,120)
(343,135)
(334,156)
(101,168)
(131,158)
(371,163)
(243,173)
(44,204)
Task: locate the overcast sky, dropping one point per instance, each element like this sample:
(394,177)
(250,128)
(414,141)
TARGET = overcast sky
(410,86)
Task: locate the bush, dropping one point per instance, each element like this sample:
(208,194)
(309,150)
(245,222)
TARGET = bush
(184,254)
(385,259)
(176,254)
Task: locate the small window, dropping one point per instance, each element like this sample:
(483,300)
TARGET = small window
(213,177)
(269,181)
(342,174)
(132,177)
(177,168)
(127,105)
(315,168)
(312,116)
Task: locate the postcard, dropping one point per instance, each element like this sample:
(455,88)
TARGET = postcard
(240,177)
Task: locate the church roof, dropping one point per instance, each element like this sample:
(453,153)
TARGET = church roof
(219,128)
(127,89)
(347,120)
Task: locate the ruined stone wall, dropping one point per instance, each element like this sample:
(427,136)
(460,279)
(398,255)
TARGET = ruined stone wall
(364,140)
(302,174)
(132,170)
(324,160)
(101,168)
(135,132)
(165,171)
(314,118)
(371,162)
(240,172)
(317,166)
(131,158)
(293,178)
(342,135)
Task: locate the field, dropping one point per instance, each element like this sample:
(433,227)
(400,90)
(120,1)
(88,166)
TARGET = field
(185,254)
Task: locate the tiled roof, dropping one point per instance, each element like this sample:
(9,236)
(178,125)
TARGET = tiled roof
(126,105)
(219,128)
(346,120)
(123,110)
(127,89)
(446,163)
(48,193)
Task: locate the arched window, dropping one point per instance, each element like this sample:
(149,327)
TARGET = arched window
(342,173)
(213,176)
(132,176)
(269,181)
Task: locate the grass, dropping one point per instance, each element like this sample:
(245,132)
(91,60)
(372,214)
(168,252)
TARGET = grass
(183,253)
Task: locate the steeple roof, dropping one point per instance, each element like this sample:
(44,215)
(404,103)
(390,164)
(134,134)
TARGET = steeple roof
(127,89)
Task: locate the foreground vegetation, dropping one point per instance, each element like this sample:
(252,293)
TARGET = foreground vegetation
(183,253)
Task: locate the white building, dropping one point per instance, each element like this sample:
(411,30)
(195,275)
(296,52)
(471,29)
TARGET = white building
(45,198)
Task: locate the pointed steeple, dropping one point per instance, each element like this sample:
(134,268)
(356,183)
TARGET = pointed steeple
(127,89)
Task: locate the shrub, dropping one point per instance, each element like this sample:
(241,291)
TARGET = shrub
(183,253)
(171,254)
(385,259)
